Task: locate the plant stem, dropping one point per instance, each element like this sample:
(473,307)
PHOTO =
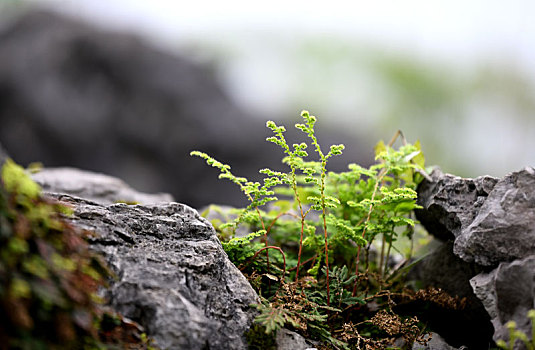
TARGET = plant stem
(302,225)
(379,179)
(387,256)
(381,260)
(322,190)
(265,236)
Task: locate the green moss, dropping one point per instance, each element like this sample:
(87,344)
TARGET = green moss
(48,276)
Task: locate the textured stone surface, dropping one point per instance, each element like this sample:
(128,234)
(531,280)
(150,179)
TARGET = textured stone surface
(173,276)
(289,340)
(451,203)
(504,228)
(491,220)
(99,188)
(508,293)
(436,343)
(492,224)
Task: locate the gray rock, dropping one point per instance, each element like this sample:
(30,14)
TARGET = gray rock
(508,293)
(96,187)
(3,155)
(289,340)
(443,269)
(74,95)
(504,228)
(491,220)
(435,343)
(450,203)
(173,276)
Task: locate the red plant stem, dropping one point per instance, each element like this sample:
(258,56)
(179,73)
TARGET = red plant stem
(379,179)
(326,255)
(300,241)
(294,185)
(265,235)
(322,190)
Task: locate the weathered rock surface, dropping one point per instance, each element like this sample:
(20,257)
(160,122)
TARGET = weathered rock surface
(504,228)
(289,340)
(435,343)
(96,187)
(508,293)
(491,220)
(450,203)
(173,276)
(491,223)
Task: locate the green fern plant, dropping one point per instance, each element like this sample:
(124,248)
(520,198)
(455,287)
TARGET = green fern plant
(317,223)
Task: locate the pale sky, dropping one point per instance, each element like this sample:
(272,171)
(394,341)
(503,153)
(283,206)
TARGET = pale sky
(460,29)
(464,34)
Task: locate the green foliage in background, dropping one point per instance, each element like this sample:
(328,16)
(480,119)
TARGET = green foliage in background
(517,336)
(320,244)
(48,277)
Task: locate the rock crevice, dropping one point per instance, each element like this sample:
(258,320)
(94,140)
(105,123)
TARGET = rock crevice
(490,223)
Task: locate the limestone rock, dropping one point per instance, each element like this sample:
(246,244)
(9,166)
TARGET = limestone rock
(289,340)
(442,269)
(435,343)
(96,187)
(504,228)
(491,220)
(450,203)
(173,276)
(508,293)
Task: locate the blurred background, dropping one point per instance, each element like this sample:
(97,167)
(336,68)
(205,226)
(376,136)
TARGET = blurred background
(457,75)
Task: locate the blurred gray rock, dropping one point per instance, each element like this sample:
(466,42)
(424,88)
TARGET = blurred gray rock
(508,293)
(450,203)
(73,95)
(504,228)
(3,155)
(173,276)
(96,187)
